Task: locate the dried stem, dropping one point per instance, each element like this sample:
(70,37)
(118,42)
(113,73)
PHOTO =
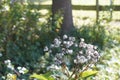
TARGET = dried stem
(75,69)
(17,72)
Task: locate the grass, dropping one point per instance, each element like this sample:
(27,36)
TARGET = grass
(92,14)
(110,61)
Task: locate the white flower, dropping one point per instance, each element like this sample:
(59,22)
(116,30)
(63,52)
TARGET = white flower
(22,70)
(96,54)
(7,61)
(23,18)
(46,48)
(69,44)
(95,47)
(65,36)
(9,75)
(64,42)
(57,42)
(10,66)
(75,61)
(81,59)
(90,46)
(84,53)
(94,60)
(59,56)
(88,57)
(53,66)
(3,77)
(80,52)
(76,45)
(19,68)
(6,8)
(72,38)
(82,40)
(70,51)
(82,44)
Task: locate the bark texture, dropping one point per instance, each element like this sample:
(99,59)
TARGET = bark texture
(66,8)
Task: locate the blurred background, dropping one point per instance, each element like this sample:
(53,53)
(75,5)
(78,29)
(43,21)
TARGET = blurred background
(26,27)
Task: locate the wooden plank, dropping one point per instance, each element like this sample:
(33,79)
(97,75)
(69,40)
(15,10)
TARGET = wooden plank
(97,11)
(111,9)
(40,6)
(79,7)
(91,7)
(82,7)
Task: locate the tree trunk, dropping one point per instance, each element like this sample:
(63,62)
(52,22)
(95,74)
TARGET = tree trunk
(66,8)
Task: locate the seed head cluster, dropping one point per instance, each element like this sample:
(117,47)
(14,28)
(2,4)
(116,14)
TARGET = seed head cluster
(74,50)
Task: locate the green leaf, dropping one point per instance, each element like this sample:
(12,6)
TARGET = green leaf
(88,73)
(36,76)
(46,76)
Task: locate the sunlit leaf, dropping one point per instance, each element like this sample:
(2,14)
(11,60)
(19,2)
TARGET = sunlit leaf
(42,76)
(36,76)
(88,73)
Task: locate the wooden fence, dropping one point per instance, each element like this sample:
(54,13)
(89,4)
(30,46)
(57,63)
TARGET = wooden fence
(79,7)
(96,7)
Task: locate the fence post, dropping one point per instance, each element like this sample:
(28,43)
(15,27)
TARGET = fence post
(97,11)
(111,9)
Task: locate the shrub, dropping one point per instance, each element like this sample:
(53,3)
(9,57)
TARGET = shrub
(70,57)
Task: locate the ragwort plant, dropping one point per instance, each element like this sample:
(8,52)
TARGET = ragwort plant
(71,58)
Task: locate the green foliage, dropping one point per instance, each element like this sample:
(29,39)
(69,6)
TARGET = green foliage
(19,34)
(109,63)
(71,58)
(46,76)
(88,73)
(23,35)
(95,34)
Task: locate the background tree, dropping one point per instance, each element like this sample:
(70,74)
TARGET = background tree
(65,7)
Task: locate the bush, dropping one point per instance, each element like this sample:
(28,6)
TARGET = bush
(23,38)
(22,35)
(95,34)
(69,58)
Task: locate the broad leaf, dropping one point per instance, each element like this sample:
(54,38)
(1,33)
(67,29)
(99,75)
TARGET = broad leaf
(36,76)
(42,76)
(88,73)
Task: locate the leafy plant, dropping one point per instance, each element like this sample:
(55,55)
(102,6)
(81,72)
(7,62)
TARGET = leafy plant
(71,58)
(46,76)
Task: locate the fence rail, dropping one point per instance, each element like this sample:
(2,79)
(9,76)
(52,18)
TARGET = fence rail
(80,7)
(96,7)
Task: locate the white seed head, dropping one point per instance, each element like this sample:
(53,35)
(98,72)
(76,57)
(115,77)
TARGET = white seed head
(19,68)
(70,51)
(82,40)
(72,38)
(7,61)
(65,36)
(81,59)
(46,48)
